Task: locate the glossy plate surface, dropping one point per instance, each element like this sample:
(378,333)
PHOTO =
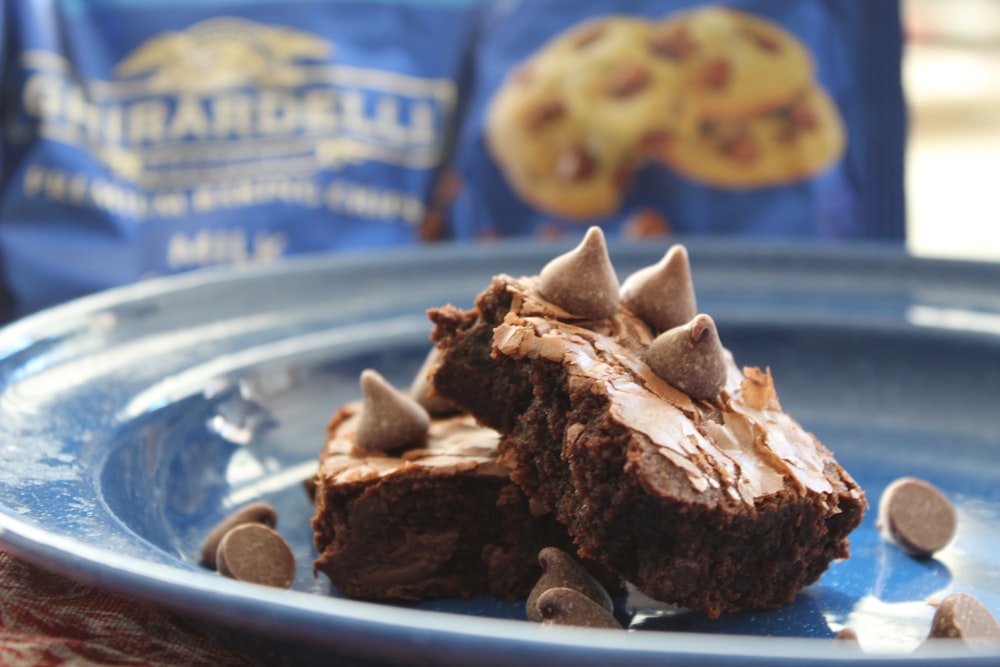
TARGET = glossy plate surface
(134,420)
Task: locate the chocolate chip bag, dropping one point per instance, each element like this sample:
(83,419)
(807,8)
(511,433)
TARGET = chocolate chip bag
(146,138)
(780,118)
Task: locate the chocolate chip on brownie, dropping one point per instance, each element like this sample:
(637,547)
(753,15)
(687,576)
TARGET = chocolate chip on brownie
(421,391)
(583,281)
(389,418)
(690,357)
(662,294)
(565,606)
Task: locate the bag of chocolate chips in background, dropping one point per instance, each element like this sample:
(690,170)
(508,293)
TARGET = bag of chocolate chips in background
(147,137)
(759,118)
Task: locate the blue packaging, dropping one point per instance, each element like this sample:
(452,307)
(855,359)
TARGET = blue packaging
(147,137)
(757,118)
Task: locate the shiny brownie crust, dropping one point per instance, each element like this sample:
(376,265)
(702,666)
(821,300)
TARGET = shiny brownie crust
(623,503)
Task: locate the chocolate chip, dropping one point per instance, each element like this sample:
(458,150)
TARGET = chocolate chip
(763,41)
(565,606)
(582,281)
(560,570)
(802,115)
(544,113)
(962,616)
(627,80)
(258,512)
(420,389)
(575,164)
(916,516)
(588,36)
(389,418)
(690,357)
(674,44)
(715,74)
(257,554)
(662,295)
(741,148)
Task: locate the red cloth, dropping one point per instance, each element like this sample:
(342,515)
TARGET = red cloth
(48,620)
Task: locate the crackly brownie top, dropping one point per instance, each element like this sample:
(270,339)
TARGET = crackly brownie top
(739,443)
(453,444)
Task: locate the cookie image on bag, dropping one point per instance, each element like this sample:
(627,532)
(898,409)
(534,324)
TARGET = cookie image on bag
(722,97)
(570,126)
(734,64)
(763,119)
(782,146)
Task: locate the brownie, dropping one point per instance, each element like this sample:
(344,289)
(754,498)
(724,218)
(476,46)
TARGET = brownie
(716,503)
(438,519)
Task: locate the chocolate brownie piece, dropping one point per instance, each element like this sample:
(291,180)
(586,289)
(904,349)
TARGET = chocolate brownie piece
(717,502)
(436,516)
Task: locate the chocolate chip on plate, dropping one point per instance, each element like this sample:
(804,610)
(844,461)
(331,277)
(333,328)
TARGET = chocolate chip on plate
(962,616)
(560,570)
(916,516)
(258,512)
(256,553)
(565,606)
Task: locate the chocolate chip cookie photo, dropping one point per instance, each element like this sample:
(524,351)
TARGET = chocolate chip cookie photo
(722,97)
(571,125)
(788,144)
(734,64)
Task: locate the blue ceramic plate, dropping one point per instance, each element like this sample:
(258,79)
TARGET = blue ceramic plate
(134,420)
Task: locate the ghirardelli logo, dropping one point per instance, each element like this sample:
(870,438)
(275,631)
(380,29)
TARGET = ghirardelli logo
(222,53)
(227,99)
